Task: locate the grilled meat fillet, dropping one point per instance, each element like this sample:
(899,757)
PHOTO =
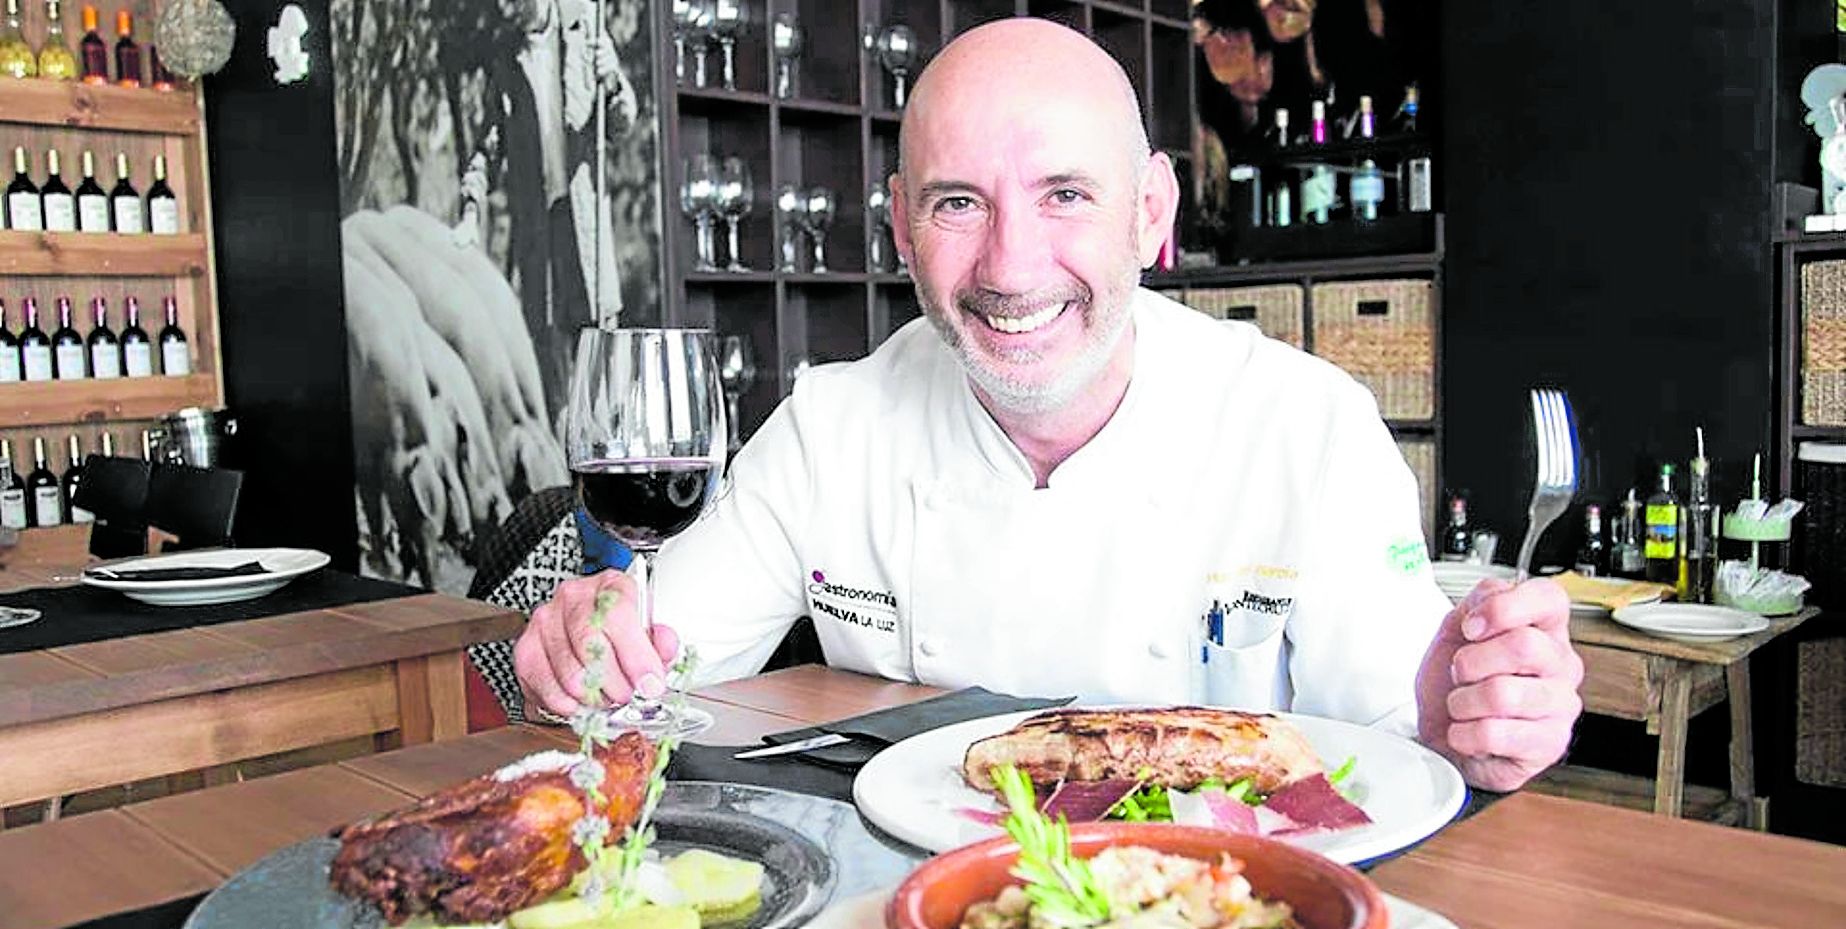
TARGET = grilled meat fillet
(1180,746)
(475,852)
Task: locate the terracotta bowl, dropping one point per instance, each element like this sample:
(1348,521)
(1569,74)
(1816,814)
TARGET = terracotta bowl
(1323,894)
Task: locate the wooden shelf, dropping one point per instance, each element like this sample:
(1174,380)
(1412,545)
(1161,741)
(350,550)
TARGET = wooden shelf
(829,107)
(49,403)
(730,277)
(103,254)
(1836,433)
(1322,269)
(720,95)
(69,104)
(1412,426)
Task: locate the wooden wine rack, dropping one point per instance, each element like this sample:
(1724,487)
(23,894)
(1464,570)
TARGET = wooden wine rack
(105,119)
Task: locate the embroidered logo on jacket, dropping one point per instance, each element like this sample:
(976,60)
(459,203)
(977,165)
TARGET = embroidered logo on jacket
(857,606)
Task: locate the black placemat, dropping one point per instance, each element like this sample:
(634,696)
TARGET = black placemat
(875,731)
(169,915)
(73,615)
(714,763)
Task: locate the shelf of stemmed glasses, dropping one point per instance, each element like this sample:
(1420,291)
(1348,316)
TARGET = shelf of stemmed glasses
(708,97)
(796,277)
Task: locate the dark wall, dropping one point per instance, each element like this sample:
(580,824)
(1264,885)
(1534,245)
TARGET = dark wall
(275,205)
(1608,173)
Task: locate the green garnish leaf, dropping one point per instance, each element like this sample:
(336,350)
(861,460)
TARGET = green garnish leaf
(1059,884)
(1340,776)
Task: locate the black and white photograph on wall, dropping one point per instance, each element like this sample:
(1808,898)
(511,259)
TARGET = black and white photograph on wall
(468,157)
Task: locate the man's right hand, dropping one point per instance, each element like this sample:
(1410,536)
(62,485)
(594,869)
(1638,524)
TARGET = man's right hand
(552,652)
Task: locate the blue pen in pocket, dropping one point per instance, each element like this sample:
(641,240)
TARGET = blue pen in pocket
(1214,624)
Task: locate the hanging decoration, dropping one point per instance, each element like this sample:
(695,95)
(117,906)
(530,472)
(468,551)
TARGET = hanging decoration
(194,36)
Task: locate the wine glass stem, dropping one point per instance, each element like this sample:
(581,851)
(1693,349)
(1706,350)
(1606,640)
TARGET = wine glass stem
(679,58)
(735,411)
(784,82)
(643,706)
(875,250)
(731,239)
(698,65)
(707,246)
(730,68)
(820,253)
(902,89)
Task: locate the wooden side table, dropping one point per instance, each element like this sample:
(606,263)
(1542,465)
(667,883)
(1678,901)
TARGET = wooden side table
(1664,683)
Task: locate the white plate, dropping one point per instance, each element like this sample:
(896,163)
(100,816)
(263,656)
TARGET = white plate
(869,910)
(1457,579)
(1690,622)
(1598,611)
(280,565)
(914,789)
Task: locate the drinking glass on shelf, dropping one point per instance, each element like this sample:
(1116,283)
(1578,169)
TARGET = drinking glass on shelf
(791,217)
(699,21)
(897,52)
(821,204)
(646,441)
(728,19)
(685,20)
(878,219)
(786,40)
(698,199)
(737,372)
(735,198)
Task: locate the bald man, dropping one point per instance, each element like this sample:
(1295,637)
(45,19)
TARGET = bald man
(1047,486)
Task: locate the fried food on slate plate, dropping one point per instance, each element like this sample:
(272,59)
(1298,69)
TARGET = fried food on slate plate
(1177,747)
(475,852)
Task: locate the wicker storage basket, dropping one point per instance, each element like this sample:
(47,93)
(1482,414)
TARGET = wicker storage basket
(1381,333)
(1420,455)
(1823,343)
(1274,308)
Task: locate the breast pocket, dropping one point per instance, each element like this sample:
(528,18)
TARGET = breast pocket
(1246,666)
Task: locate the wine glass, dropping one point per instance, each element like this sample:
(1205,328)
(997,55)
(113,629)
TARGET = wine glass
(735,198)
(878,216)
(727,22)
(897,52)
(737,372)
(645,436)
(698,199)
(685,19)
(820,203)
(786,40)
(791,217)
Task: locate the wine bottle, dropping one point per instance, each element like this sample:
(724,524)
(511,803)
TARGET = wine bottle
(157,73)
(1404,121)
(73,477)
(12,490)
(60,207)
(1662,519)
(45,497)
(1591,555)
(137,351)
(17,59)
(162,206)
(23,208)
(1368,191)
(67,350)
(1318,180)
(125,201)
(127,53)
(105,350)
(35,347)
(1456,541)
(56,61)
(9,352)
(92,202)
(94,51)
(175,358)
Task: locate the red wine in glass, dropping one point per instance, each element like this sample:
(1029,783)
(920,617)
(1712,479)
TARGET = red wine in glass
(644,502)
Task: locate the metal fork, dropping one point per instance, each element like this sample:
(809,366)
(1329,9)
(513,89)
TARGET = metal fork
(1556,483)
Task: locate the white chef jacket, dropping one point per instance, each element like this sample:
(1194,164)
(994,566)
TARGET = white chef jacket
(881,499)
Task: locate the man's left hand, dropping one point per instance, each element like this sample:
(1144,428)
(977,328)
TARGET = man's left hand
(1497,693)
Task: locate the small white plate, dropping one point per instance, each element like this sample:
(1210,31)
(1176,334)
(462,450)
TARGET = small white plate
(280,565)
(1457,579)
(914,790)
(1598,611)
(1690,622)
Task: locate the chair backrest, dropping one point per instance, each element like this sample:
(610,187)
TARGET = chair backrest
(115,491)
(199,505)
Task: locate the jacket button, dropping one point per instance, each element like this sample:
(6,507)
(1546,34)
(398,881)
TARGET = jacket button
(1159,649)
(928,648)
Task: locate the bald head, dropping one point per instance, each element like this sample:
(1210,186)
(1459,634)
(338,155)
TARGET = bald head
(1024,67)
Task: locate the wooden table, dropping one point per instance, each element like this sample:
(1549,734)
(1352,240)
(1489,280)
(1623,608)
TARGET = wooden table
(1527,862)
(119,710)
(1664,683)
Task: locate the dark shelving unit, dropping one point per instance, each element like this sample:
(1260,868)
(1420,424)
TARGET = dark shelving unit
(839,129)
